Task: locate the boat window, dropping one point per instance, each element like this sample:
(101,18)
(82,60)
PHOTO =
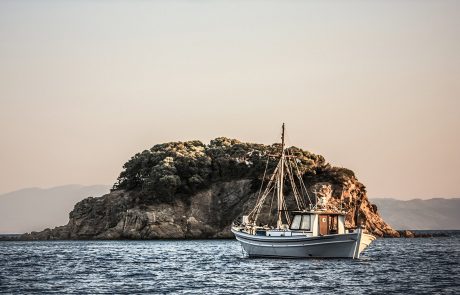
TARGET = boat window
(306,220)
(296,222)
(333,224)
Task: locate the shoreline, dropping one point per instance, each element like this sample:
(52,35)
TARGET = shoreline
(404,234)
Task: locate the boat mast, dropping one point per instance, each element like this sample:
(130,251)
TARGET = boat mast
(281,182)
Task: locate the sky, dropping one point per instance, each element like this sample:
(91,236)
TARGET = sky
(371,85)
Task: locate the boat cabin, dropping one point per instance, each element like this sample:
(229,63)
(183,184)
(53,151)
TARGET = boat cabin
(318,223)
(313,223)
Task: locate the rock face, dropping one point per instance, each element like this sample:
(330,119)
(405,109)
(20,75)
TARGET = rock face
(208,215)
(113,216)
(207,210)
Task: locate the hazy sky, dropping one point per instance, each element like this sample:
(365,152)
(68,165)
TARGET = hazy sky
(373,86)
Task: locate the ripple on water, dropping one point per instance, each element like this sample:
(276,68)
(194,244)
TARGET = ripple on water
(421,266)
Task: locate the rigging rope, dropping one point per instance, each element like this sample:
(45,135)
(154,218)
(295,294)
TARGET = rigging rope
(302,184)
(263,179)
(294,186)
(262,198)
(271,205)
(298,192)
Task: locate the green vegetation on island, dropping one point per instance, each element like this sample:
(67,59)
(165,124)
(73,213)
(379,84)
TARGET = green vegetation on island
(179,169)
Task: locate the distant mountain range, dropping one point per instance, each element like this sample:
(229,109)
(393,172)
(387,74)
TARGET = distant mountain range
(34,209)
(417,214)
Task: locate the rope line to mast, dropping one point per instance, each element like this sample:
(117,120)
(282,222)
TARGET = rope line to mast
(302,184)
(297,195)
(262,198)
(262,182)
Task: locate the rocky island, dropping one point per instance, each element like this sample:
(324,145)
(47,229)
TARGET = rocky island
(192,190)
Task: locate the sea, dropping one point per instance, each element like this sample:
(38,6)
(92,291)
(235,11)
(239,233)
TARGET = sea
(388,266)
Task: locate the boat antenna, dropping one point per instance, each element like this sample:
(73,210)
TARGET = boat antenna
(281,181)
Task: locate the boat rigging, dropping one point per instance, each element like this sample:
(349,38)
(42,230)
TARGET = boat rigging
(314,229)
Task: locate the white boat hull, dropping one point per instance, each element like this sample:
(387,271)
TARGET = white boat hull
(349,245)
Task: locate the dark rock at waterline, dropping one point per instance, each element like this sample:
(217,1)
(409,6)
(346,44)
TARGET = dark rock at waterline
(406,234)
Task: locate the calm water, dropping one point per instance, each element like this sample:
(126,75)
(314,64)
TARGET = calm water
(418,266)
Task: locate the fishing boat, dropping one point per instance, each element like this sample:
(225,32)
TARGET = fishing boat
(312,229)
